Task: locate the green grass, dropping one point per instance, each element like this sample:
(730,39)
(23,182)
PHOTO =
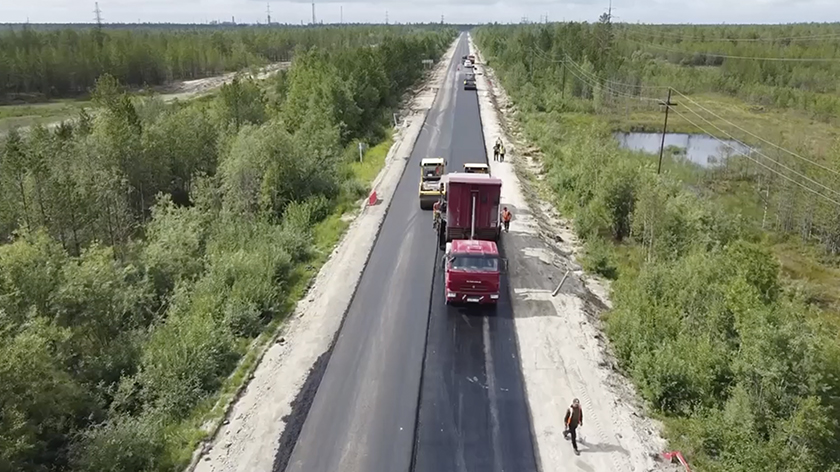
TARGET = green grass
(373,160)
(13,116)
(790,128)
(184,437)
(801,263)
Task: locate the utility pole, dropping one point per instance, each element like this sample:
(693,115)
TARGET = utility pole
(341,15)
(668,104)
(313,12)
(563,90)
(100,37)
(98,14)
(441,19)
(268,13)
(386,17)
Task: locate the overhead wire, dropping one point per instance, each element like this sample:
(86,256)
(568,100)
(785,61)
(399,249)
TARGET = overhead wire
(729,56)
(613,82)
(692,38)
(593,83)
(757,151)
(781,174)
(821,166)
(568,59)
(590,79)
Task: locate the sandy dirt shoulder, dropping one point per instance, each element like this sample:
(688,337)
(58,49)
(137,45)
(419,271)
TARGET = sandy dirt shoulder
(248,438)
(563,353)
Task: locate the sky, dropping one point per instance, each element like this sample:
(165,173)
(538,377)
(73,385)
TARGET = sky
(405,11)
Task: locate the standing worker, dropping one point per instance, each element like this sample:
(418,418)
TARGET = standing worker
(501,152)
(506,218)
(573,420)
(496,149)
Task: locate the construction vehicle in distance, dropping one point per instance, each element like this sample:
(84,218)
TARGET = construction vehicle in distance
(468,226)
(475,168)
(471,58)
(469,82)
(432,170)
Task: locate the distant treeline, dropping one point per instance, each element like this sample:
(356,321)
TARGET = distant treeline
(799,70)
(43,64)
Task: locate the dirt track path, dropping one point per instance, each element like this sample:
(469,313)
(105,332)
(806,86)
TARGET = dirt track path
(180,90)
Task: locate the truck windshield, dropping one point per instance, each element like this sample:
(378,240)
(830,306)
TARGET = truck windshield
(475,263)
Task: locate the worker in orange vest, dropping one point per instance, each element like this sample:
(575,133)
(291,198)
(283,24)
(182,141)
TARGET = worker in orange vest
(506,218)
(573,420)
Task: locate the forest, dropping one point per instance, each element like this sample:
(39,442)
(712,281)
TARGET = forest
(789,185)
(740,362)
(146,246)
(48,64)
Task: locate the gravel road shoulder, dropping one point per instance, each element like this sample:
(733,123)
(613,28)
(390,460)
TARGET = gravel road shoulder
(248,439)
(562,350)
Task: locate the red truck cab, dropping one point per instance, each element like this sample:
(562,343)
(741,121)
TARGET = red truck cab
(473,272)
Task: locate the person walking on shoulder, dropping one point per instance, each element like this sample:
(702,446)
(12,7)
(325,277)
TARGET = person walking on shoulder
(506,218)
(496,150)
(573,420)
(501,152)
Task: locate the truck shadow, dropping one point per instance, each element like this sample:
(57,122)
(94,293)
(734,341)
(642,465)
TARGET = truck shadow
(473,412)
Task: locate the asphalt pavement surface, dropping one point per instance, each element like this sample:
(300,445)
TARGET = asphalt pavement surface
(389,401)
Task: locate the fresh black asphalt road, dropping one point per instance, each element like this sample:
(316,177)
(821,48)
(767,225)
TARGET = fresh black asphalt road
(388,400)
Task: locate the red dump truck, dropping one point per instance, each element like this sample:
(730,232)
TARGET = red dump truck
(473,272)
(468,226)
(470,208)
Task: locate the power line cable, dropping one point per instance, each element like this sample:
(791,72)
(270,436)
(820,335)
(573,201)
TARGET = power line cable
(757,136)
(821,37)
(728,56)
(593,83)
(593,80)
(568,59)
(759,152)
(623,84)
(754,160)
(747,146)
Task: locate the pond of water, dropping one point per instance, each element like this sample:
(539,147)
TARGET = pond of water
(700,149)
